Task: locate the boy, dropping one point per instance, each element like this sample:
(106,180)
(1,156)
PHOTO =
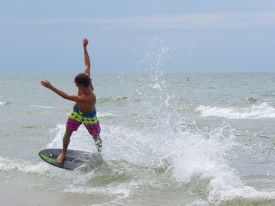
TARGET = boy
(84,110)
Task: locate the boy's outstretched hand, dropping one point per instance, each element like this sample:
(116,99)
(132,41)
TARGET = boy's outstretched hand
(46,83)
(85,42)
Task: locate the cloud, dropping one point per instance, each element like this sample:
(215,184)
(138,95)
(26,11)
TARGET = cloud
(186,21)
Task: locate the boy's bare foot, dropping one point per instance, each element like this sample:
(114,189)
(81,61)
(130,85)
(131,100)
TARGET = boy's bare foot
(60,158)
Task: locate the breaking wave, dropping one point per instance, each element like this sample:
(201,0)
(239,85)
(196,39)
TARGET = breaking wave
(4,103)
(117,99)
(260,111)
(7,164)
(42,106)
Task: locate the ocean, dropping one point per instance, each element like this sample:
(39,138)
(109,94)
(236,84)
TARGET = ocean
(168,139)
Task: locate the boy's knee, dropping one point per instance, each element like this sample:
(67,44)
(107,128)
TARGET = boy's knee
(93,129)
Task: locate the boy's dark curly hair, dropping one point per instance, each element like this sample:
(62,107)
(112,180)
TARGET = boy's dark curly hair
(83,79)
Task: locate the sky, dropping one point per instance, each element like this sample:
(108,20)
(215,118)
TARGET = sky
(131,36)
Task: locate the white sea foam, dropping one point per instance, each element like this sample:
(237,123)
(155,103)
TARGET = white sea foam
(222,193)
(120,190)
(104,114)
(22,166)
(3,103)
(260,111)
(42,106)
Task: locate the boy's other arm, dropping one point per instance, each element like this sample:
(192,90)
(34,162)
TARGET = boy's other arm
(62,94)
(86,57)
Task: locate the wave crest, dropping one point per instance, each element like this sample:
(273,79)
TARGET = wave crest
(22,166)
(117,99)
(4,103)
(261,111)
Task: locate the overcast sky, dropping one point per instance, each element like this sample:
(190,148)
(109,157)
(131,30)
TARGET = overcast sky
(176,35)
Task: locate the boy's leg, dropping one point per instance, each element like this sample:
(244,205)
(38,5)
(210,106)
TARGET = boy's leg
(98,142)
(66,142)
(94,130)
(71,126)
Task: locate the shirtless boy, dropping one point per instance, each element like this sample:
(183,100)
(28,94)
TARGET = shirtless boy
(84,110)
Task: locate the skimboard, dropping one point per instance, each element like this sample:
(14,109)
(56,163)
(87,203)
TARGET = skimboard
(73,159)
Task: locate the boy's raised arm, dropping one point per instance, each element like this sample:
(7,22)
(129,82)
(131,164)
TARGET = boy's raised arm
(86,57)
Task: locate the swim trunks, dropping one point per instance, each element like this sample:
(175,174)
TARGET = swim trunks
(89,119)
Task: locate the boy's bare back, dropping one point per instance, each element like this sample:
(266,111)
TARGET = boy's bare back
(91,100)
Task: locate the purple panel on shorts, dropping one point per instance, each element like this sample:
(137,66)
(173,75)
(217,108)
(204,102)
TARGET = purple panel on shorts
(93,129)
(72,125)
